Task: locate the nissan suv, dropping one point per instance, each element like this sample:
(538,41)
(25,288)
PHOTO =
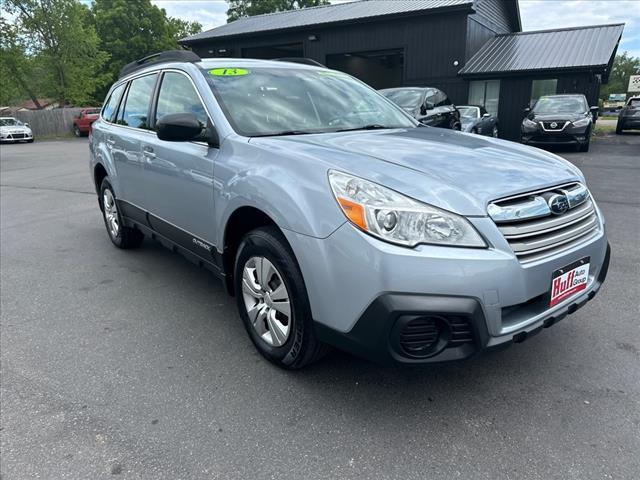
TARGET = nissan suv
(335,218)
(559,120)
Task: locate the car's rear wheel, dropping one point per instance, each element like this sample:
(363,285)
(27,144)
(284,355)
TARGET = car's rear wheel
(76,131)
(494,131)
(121,235)
(619,127)
(272,300)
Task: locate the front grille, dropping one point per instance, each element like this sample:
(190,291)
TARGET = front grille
(554,125)
(18,135)
(533,231)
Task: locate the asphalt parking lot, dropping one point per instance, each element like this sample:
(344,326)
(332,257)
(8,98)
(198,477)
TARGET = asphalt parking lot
(134,364)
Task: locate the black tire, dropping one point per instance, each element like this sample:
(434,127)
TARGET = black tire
(30,140)
(495,133)
(474,131)
(125,237)
(619,128)
(584,147)
(76,131)
(301,346)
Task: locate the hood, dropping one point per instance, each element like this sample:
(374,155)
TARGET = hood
(452,170)
(548,117)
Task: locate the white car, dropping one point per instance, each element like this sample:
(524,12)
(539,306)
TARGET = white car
(13,130)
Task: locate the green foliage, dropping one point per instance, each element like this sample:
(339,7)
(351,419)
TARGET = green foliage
(63,49)
(248,8)
(59,49)
(623,67)
(132,30)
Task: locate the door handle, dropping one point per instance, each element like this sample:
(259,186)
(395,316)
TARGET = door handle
(148,152)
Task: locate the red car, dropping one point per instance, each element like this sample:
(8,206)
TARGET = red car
(82,123)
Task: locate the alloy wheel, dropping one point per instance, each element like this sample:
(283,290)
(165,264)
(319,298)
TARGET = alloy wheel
(111,213)
(267,301)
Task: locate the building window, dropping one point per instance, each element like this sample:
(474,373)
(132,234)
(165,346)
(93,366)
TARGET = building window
(540,88)
(485,93)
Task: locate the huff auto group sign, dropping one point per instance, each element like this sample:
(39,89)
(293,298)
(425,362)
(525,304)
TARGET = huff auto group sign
(634,84)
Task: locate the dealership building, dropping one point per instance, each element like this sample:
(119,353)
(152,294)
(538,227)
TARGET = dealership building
(474,50)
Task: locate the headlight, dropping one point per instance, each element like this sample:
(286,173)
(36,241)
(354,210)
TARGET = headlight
(529,123)
(583,122)
(390,216)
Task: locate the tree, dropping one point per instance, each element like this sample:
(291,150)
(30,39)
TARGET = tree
(132,30)
(180,29)
(15,67)
(58,36)
(248,8)
(623,67)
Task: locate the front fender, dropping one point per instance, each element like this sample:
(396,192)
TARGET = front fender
(293,192)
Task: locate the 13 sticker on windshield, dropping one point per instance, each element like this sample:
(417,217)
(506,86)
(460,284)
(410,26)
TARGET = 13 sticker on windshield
(229,72)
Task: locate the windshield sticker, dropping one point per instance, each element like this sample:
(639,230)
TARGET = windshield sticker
(228,72)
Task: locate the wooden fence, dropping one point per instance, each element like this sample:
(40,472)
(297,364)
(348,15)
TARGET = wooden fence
(58,121)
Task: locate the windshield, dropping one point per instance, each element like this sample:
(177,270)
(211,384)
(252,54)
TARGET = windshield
(469,112)
(287,101)
(9,122)
(560,105)
(406,98)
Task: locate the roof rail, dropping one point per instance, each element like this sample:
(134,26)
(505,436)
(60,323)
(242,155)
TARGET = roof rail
(160,57)
(304,61)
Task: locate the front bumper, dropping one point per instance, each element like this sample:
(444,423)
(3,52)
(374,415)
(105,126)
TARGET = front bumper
(361,288)
(16,137)
(568,136)
(380,333)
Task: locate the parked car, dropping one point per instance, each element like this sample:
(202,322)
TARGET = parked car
(629,117)
(82,123)
(335,218)
(476,119)
(559,120)
(13,130)
(427,105)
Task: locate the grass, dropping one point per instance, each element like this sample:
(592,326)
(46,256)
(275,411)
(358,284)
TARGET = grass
(602,130)
(607,117)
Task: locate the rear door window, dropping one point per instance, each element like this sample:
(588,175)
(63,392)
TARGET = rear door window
(136,107)
(110,107)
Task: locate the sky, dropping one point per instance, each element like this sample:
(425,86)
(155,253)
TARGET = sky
(536,15)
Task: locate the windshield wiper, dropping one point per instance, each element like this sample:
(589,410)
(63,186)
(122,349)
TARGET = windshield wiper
(373,126)
(286,132)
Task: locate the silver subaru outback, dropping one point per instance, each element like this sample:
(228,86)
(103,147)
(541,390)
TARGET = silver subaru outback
(338,220)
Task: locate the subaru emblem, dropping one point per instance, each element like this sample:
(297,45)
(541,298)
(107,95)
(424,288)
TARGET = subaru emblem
(558,204)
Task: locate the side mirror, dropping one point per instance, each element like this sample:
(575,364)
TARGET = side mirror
(526,110)
(178,127)
(486,115)
(26,124)
(594,111)
(430,105)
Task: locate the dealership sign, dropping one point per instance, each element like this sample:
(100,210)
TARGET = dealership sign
(634,84)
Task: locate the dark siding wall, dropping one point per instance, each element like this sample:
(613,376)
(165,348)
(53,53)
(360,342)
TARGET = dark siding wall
(515,94)
(431,44)
(491,18)
(495,14)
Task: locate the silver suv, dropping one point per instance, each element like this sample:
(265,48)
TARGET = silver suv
(337,219)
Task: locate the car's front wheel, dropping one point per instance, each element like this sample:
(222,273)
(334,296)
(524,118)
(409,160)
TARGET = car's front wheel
(494,131)
(121,235)
(272,300)
(76,131)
